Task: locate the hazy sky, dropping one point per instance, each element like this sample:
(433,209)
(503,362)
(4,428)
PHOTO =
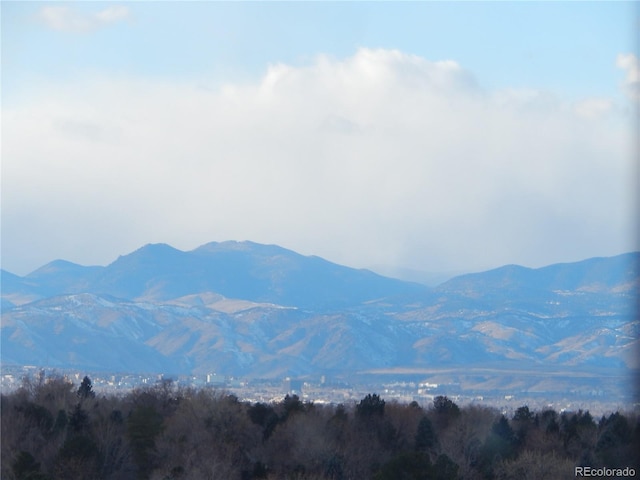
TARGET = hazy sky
(435,136)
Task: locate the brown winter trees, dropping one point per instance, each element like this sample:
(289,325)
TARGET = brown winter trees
(52,429)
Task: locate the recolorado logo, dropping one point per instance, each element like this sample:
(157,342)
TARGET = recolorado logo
(604,472)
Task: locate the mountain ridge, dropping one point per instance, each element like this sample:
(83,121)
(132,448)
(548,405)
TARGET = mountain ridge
(245,245)
(245,270)
(245,309)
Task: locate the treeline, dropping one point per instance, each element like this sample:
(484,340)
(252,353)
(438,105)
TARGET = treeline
(52,429)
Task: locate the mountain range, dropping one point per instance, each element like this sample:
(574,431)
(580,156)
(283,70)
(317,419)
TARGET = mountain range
(262,311)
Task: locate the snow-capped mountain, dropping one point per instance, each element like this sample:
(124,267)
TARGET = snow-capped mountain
(240,308)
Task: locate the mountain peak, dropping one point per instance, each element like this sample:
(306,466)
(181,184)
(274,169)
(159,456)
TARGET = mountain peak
(155,249)
(599,273)
(242,246)
(55,267)
(151,252)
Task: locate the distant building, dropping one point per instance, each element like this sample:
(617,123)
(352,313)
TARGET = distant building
(292,386)
(215,379)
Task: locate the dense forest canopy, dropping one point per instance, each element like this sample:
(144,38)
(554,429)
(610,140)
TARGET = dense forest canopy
(53,429)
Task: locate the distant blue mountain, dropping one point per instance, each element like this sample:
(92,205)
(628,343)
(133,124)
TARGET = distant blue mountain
(593,275)
(62,276)
(241,308)
(11,282)
(244,270)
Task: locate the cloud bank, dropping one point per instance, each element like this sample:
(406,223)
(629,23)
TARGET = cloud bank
(631,66)
(67,19)
(379,158)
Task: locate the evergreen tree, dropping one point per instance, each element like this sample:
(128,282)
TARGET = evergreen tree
(369,406)
(144,424)
(291,404)
(445,406)
(614,439)
(445,468)
(86,389)
(79,420)
(523,414)
(502,429)
(265,416)
(425,436)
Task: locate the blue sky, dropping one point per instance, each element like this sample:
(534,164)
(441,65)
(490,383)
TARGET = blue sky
(430,135)
(567,47)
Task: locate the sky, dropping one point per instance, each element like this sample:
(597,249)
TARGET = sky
(441,137)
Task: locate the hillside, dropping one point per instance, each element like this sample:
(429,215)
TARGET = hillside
(244,270)
(244,309)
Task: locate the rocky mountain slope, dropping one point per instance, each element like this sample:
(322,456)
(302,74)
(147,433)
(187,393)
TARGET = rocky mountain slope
(244,309)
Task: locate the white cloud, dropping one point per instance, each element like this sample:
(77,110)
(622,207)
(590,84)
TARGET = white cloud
(112,14)
(67,19)
(631,84)
(380,158)
(594,107)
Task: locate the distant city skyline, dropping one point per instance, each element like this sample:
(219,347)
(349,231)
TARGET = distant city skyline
(441,137)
